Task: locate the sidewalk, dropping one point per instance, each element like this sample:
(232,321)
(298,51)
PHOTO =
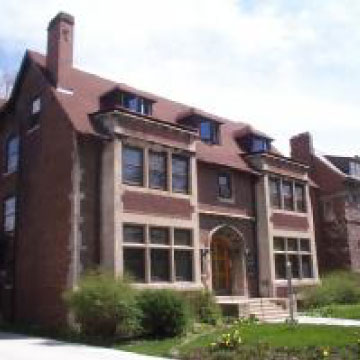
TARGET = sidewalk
(20,347)
(322,321)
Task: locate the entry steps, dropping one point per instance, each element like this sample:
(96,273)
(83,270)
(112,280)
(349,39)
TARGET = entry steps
(264,309)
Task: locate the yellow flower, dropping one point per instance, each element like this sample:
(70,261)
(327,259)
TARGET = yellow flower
(325,353)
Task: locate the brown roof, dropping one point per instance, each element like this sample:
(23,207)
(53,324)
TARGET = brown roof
(87,89)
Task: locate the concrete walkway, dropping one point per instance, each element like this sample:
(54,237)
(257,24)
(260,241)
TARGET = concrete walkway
(323,321)
(19,347)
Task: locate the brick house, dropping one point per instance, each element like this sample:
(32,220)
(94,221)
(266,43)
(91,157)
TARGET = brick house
(337,211)
(97,173)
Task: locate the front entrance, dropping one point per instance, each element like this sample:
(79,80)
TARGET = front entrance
(221,276)
(228,267)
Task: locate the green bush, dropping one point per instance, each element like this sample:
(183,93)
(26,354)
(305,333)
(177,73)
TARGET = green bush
(104,306)
(165,313)
(203,306)
(339,287)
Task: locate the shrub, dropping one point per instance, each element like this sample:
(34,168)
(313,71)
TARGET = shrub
(339,287)
(165,313)
(104,306)
(203,306)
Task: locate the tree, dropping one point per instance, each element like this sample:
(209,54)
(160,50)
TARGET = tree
(7,80)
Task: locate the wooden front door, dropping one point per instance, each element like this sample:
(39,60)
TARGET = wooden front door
(220,260)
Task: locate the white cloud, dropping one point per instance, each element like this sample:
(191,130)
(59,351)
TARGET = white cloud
(284,66)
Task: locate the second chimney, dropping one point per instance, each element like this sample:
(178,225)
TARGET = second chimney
(59,59)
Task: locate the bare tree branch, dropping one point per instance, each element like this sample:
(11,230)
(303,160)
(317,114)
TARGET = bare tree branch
(7,81)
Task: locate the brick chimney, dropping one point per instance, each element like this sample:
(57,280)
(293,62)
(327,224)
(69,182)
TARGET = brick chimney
(301,147)
(59,59)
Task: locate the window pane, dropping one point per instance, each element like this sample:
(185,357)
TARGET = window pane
(133,234)
(288,195)
(294,261)
(275,193)
(157,170)
(183,237)
(159,235)
(134,263)
(279,244)
(280,266)
(132,165)
(183,265)
(36,106)
(306,266)
(180,174)
(224,183)
(305,245)
(300,197)
(12,154)
(205,130)
(160,265)
(259,145)
(292,245)
(9,214)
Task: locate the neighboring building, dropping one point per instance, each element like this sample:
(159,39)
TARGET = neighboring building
(96,173)
(337,220)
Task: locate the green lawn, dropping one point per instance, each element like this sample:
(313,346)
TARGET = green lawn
(276,335)
(338,311)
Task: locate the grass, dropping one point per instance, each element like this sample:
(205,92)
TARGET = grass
(276,335)
(338,311)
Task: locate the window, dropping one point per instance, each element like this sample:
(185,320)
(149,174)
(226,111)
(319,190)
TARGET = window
(259,144)
(12,154)
(180,174)
(159,235)
(355,169)
(182,237)
(224,185)
(9,209)
(209,132)
(133,166)
(300,197)
(134,263)
(157,170)
(160,257)
(287,194)
(35,113)
(134,234)
(282,195)
(297,252)
(183,265)
(160,265)
(328,210)
(137,104)
(275,196)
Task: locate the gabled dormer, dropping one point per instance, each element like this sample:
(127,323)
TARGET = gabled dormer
(208,126)
(253,141)
(118,98)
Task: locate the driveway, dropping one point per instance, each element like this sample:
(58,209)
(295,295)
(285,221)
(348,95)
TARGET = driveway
(20,347)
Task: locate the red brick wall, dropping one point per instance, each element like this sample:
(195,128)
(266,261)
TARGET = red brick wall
(332,236)
(43,229)
(150,204)
(243,187)
(290,222)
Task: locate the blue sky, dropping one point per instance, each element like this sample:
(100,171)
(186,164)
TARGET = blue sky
(285,66)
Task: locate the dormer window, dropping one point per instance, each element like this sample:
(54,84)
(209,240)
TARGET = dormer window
(259,144)
(119,98)
(355,169)
(136,103)
(209,132)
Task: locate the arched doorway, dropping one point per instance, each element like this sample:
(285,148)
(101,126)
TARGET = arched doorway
(228,266)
